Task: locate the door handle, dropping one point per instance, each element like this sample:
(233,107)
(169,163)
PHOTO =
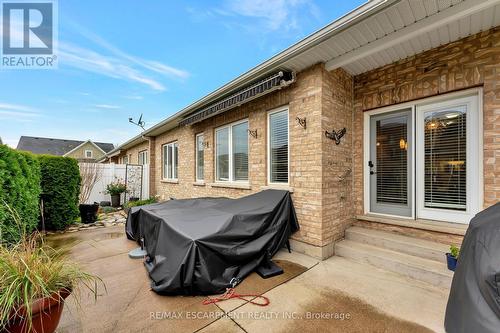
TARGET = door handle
(370,164)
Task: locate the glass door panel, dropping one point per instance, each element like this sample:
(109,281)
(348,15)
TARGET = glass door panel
(390,163)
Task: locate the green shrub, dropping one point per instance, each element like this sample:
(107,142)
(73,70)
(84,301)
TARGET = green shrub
(20,190)
(141,202)
(60,190)
(454,251)
(108,209)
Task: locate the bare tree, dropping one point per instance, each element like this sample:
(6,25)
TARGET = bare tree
(90,173)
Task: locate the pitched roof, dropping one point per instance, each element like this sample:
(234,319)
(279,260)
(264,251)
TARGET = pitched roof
(57,147)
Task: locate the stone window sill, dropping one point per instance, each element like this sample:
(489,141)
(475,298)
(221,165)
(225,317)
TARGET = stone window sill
(199,183)
(277,187)
(240,186)
(170,181)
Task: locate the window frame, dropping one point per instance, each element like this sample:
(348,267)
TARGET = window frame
(91,153)
(196,176)
(164,158)
(269,113)
(144,153)
(230,144)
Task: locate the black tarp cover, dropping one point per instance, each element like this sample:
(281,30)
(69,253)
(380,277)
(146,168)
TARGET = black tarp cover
(197,246)
(474,301)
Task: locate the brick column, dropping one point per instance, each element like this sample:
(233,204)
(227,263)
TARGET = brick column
(152,166)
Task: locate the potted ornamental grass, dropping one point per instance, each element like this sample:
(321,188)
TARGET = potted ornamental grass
(35,280)
(115,189)
(452,257)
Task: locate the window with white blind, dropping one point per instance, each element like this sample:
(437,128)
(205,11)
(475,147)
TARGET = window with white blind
(445,158)
(143,157)
(392,160)
(170,160)
(231,152)
(200,157)
(278,146)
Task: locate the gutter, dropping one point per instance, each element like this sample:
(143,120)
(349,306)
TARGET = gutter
(342,23)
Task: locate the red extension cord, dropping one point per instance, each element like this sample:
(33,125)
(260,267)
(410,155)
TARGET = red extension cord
(231,294)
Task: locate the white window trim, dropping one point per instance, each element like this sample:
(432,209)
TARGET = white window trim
(433,99)
(473,153)
(199,180)
(91,153)
(269,113)
(144,153)
(165,156)
(230,143)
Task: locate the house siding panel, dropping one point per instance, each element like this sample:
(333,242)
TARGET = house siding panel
(79,153)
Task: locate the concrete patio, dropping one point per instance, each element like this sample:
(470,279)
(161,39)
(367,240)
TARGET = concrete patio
(336,295)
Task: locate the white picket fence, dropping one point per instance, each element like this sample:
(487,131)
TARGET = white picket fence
(135,176)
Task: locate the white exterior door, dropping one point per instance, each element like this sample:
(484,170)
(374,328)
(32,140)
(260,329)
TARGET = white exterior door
(448,146)
(390,163)
(446,142)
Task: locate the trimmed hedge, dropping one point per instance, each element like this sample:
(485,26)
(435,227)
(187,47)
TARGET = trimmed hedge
(60,190)
(20,189)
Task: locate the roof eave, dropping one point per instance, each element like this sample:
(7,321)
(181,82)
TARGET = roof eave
(275,62)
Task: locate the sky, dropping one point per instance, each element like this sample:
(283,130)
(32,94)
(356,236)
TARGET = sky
(123,58)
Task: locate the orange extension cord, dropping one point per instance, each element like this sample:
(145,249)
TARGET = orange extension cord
(231,294)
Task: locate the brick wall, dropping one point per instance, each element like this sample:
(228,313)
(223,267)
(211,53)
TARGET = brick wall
(326,178)
(337,159)
(469,62)
(304,99)
(133,152)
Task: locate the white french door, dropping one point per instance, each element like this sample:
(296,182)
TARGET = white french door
(444,178)
(447,156)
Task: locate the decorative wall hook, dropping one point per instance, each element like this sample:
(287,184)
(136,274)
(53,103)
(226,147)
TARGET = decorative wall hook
(335,136)
(302,121)
(253,133)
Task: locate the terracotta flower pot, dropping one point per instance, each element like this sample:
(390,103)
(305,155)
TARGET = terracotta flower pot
(45,314)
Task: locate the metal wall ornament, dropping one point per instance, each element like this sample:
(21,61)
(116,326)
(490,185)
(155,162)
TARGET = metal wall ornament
(302,122)
(336,136)
(253,133)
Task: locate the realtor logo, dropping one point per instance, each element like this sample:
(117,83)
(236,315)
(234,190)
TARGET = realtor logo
(28,34)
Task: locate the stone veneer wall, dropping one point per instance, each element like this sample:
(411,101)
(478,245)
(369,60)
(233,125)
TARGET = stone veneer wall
(469,62)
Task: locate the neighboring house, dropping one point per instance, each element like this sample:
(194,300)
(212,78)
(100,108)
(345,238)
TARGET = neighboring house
(415,84)
(87,151)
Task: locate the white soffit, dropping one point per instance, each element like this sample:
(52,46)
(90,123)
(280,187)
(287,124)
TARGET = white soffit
(405,28)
